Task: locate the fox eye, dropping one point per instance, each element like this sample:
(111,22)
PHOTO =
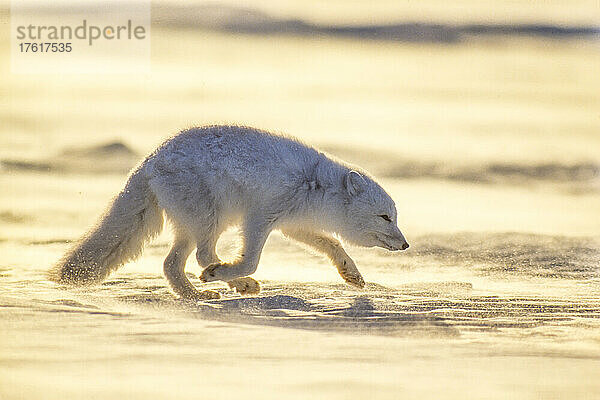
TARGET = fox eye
(386,217)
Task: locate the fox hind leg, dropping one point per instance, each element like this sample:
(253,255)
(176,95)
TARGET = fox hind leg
(174,269)
(206,253)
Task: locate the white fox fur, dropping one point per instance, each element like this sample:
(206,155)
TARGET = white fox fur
(208,179)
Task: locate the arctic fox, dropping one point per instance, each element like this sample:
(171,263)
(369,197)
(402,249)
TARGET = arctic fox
(210,178)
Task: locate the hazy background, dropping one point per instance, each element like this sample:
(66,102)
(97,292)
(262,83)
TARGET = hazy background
(481,118)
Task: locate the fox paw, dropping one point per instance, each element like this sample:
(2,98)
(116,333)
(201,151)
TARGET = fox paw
(203,295)
(348,271)
(211,273)
(245,286)
(210,295)
(354,280)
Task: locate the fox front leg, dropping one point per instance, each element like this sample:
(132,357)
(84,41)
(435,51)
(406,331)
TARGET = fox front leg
(333,249)
(255,232)
(206,255)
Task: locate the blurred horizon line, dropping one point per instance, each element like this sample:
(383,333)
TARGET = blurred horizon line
(245,20)
(250,20)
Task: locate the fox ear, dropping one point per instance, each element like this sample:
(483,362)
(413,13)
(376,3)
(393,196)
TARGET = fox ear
(355,183)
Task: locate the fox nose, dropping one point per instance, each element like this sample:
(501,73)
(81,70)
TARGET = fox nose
(405,246)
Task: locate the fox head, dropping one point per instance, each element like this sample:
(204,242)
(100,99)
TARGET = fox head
(370,217)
